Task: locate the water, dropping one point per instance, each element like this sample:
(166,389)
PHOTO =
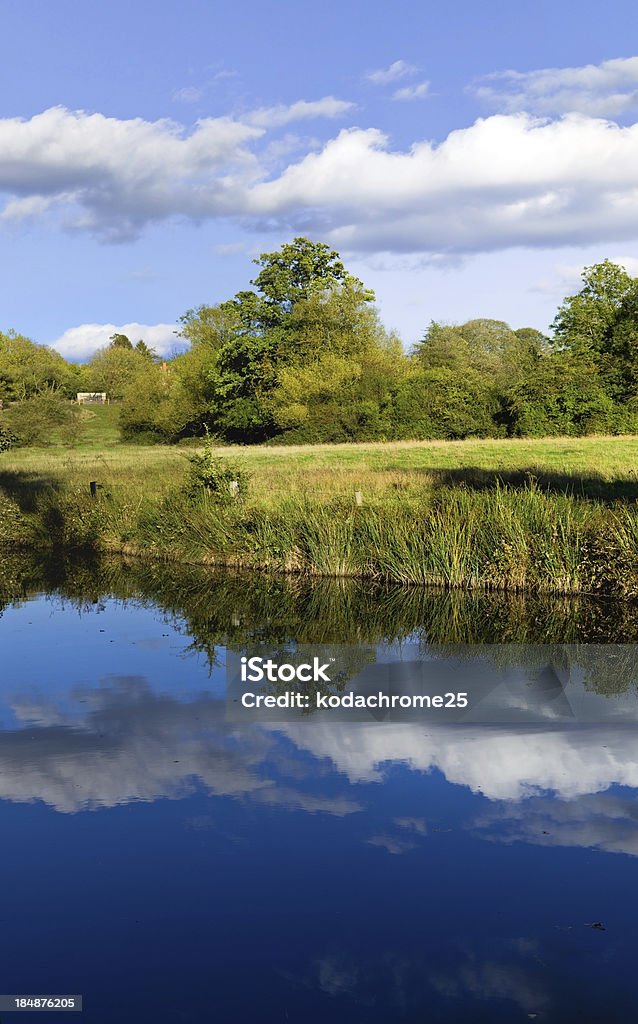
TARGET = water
(171,865)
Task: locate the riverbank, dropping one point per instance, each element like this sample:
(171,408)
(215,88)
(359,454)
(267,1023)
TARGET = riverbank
(552,516)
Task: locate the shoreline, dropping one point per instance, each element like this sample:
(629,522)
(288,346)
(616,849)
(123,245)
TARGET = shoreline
(506,540)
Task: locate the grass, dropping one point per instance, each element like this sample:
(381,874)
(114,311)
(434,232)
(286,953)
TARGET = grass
(553,515)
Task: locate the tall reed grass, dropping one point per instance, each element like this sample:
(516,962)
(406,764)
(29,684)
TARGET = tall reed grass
(505,538)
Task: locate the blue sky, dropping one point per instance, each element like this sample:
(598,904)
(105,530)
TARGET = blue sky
(466,160)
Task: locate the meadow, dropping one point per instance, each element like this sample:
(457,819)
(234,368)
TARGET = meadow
(550,515)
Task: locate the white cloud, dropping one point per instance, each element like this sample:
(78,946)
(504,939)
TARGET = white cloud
(116,175)
(302,110)
(507,180)
(601,90)
(397,70)
(81,342)
(28,207)
(111,176)
(412,92)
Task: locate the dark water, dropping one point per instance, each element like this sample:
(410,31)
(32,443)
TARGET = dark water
(172,865)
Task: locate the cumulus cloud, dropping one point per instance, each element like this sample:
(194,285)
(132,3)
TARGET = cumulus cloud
(507,180)
(397,70)
(113,176)
(81,342)
(608,89)
(412,92)
(116,175)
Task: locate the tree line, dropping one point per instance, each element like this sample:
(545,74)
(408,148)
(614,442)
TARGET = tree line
(302,356)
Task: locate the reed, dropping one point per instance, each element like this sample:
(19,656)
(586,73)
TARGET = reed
(471,528)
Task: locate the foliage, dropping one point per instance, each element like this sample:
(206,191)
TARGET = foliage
(215,476)
(27,369)
(209,327)
(302,355)
(490,347)
(7,439)
(564,395)
(441,403)
(600,324)
(145,351)
(35,420)
(584,320)
(113,369)
(120,341)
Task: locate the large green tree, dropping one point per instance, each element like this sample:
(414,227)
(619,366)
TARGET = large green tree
(303,304)
(490,347)
(600,324)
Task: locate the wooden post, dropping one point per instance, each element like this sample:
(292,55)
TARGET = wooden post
(358,498)
(233,487)
(93,488)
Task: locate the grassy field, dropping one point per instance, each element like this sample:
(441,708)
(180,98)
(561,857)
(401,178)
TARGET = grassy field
(555,514)
(604,467)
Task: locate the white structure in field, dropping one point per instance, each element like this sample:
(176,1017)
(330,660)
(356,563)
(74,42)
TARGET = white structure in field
(92,398)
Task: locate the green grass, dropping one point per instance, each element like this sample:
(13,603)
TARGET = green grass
(554,514)
(600,466)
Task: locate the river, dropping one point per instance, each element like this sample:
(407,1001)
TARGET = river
(170,862)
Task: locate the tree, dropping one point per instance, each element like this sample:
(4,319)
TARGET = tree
(33,420)
(305,303)
(489,346)
(600,324)
(120,341)
(144,350)
(210,327)
(439,402)
(112,369)
(565,394)
(28,369)
(296,271)
(292,273)
(584,321)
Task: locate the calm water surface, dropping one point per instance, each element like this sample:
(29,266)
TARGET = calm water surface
(171,865)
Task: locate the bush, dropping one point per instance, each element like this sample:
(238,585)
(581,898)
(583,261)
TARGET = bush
(562,396)
(34,420)
(7,439)
(213,475)
(441,403)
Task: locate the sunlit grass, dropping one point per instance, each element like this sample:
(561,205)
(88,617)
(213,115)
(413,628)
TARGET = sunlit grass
(556,514)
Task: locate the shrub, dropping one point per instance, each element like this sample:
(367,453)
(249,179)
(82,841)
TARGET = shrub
(441,403)
(7,439)
(34,420)
(213,475)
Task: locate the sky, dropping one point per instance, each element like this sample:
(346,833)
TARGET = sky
(466,160)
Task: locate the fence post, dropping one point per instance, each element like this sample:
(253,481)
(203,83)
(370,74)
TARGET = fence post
(233,487)
(358,498)
(93,488)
